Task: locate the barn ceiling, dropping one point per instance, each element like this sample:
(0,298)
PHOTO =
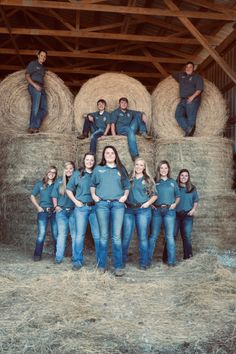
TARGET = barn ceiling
(147,39)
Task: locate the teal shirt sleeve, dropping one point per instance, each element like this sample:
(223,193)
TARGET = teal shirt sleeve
(177,191)
(94,178)
(71,185)
(195,196)
(114,116)
(36,189)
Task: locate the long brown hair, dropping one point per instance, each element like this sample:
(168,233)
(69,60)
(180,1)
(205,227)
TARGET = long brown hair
(158,176)
(121,168)
(45,177)
(149,181)
(189,186)
(83,168)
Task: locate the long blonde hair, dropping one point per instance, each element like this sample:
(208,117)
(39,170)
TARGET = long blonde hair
(149,181)
(62,189)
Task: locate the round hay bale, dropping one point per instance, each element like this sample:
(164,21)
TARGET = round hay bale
(146,150)
(15,104)
(211,118)
(111,87)
(209,160)
(25,160)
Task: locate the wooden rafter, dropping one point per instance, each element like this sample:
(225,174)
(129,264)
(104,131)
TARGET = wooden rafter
(81,54)
(203,41)
(209,15)
(156,62)
(101,35)
(85,71)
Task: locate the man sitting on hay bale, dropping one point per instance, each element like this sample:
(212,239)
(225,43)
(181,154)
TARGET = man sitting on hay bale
(34,75)
(98,123)
(128,122)
(190,87)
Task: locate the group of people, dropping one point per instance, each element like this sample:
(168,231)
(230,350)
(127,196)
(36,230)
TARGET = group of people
(104,195)
(114,204)
(122,121)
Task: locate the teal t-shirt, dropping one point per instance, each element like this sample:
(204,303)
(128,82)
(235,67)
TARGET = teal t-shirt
(108,182)
(101,120)
(138,191)
(123,118)
(167,191)
(44,192)
(187,199)
(62,200)
(80,185)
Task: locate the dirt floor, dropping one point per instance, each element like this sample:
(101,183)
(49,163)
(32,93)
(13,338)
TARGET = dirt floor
(49,308)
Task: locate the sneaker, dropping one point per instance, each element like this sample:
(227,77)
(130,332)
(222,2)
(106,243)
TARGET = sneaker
(36,131)
(146,136)
(82,136)
(57,262)
(101,270)
(77,267)
(30,131)
(134,157)
(142,268)
(119,272)
(37,258)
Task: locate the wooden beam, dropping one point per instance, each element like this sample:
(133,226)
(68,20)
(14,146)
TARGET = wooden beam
(109,56)
(220,61)
(212,6)
(85,71)
(5,19)
(156,63)
(175,52)
(60,19)
(101,35)
(118,9)
(220,49)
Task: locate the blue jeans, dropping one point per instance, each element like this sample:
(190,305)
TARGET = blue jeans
(186,113)
(94,138)
(110,215)
(65,222)
(167,217)
(42,221)
(83,215)
(141,218)
(184,224)
(39,107)
(136,125)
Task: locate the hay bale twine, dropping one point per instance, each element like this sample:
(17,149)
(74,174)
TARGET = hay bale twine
(146,150)
(111,86)
(209,161)
(211,118)
(16,104)
(25,160)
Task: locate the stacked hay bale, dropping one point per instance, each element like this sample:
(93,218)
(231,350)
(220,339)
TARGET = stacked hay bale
(111,87)
(16,105)
(208,157)
(26,157)
(146,149)
(25,160)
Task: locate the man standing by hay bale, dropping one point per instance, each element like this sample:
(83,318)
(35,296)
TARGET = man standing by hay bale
(190,87)
(34,75)
(98,123)
(128,122)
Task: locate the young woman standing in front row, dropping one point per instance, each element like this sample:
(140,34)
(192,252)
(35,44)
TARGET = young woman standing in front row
(80,184)
(110,189)
(138,212)
(64,208)
(164,211)
(45,209)
(185,211)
